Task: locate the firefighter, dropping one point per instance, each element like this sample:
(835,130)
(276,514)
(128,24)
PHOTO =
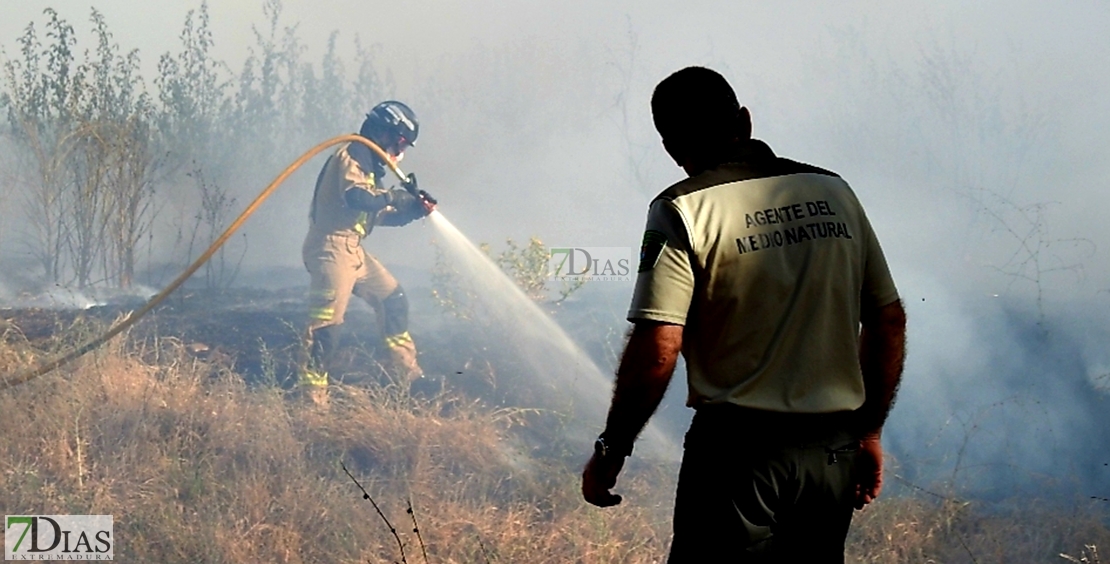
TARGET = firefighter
(348,202)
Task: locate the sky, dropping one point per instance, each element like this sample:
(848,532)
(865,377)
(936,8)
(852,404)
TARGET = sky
(973,132)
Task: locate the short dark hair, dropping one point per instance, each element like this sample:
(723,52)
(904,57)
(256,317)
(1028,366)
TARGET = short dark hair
(696,106)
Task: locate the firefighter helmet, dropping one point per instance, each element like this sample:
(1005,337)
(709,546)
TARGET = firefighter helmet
(391,123)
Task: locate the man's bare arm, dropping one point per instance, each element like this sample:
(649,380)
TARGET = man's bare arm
(642,379)
(882,353)
(643,376)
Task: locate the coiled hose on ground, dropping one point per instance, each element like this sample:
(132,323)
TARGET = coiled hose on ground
(15,379)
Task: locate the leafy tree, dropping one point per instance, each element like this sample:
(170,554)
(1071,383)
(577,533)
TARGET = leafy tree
(37,98)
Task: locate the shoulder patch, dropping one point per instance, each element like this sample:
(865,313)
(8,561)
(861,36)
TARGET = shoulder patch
(650,249)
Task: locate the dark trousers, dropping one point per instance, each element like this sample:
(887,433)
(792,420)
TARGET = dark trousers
(764,487)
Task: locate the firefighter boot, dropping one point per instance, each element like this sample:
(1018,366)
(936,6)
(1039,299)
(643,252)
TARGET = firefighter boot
(312,385)
(313,388)
(405,369)
(402,358)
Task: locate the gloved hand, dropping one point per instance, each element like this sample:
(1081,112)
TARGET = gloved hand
(407,206)
(426,199)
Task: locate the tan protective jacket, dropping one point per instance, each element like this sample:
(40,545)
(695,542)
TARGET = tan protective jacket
(329,212)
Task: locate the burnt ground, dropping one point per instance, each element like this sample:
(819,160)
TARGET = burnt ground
(255,332)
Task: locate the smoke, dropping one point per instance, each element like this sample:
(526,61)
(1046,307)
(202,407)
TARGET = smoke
(998,394)
(63,298)
(973,134)
(52,298)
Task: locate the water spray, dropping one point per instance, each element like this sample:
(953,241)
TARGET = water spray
(12,380)
(554,361)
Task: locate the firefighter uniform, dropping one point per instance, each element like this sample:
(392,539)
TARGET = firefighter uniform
(339,267)
(766,263)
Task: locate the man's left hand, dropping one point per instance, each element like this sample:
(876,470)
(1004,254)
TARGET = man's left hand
(599,477)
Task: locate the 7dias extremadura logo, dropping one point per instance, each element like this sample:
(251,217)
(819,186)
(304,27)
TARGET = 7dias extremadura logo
(58,537)
(604,264)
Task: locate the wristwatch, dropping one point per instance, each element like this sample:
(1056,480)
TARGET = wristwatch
(604,449)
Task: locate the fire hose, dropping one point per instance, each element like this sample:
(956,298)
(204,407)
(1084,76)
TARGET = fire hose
(409,182)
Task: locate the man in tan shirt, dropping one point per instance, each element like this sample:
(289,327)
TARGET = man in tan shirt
(766,275)
(348,202)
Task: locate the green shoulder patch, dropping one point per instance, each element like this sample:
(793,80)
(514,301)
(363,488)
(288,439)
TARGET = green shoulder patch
(650,249)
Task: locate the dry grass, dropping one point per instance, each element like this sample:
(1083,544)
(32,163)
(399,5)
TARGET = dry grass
(925,529)
(198,467)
